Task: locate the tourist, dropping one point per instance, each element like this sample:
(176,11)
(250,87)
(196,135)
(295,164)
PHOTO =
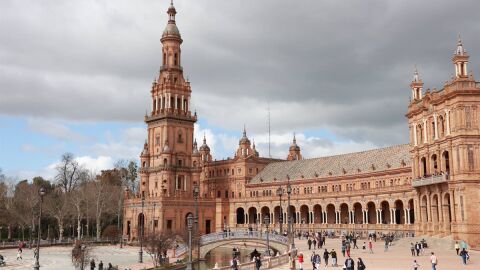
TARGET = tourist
(386,244)
(412,249)
(464,255)
(417,248)
(92,264)
(110,266)
(19,255)
(309,243)
(317,261)
(349,263)
(354,239)
(100,266)
(314,243)
(434,261)
(326,254)
(334,257)
(234,263)
(258,262)
(360,264)
(343,250)
(312,260)
(457,247)
(415,265)
(300,260)
(370,246)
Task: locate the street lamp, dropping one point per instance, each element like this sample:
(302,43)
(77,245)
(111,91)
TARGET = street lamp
(266,220)
(196,194)
(280,220)
(291,238)
(41,193)
(190,225)
(142,222)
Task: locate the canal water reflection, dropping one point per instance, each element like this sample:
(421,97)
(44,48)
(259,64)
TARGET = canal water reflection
(223,256)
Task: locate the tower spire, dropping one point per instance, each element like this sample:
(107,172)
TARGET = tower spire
(460,60)
(416,85)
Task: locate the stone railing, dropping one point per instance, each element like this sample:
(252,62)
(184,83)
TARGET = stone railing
(267,263)
(430,180)
(180,250)
(220,236)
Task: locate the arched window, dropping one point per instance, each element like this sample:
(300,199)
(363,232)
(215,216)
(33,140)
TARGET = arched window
(165,161)
(175,59)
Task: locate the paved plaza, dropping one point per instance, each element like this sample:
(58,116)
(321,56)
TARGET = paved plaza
(58,258)
(398,255)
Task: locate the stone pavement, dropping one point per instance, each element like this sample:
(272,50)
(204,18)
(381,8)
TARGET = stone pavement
(59,258)
(397,257)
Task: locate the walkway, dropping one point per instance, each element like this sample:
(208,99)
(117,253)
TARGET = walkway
(398,256)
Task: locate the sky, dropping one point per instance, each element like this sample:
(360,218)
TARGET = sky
(75,76)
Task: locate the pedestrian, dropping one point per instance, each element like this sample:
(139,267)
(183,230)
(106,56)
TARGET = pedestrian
(386,244)
(349,263)
(110,266)
(234,263)
(100,266)
(355,242)
(300,260)
(360,264)
(370,246)
(314,243)
(415,265)
(464,255)
(412,249)
(417,248)
(317,261)
(334,257)
(364,246)
(258,262)
(434,261)
(19,255)
(348,250)
(309,243)
(312,260)
(92,264)
(457,247)
(343,250)
(326,254)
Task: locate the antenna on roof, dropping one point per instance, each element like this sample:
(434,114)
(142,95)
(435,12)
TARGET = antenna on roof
(269,133)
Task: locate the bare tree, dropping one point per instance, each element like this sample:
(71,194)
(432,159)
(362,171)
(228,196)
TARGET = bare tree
(128,172)
(157,245)
(81,255)
(69,173)
(57,205)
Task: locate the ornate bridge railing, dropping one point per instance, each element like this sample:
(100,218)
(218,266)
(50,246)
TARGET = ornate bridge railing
(220,236)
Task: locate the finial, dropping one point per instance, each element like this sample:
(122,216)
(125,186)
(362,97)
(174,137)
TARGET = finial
(244,131)
(415,74)
(204,138)
(460,50)
(294,138)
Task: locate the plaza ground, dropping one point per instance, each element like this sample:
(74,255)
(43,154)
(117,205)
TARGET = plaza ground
(398,256)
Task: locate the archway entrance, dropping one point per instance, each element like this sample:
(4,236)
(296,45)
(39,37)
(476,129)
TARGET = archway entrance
(240,216)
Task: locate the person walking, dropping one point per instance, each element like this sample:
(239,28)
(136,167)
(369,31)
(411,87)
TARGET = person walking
(370,246)
(349,263)
(434,261)
(360,264)
(334,257)
(92,264)
(417,248)
(258,262)
(415,265)
(100,266)
(355,242)
(317,261)
(19,255)
(412,249)
(343,250)
(326,254)
(314,243)
(309,243)
(457,247)
(386,244)
(300,260)
(234,263)
(464,255)
(312,260)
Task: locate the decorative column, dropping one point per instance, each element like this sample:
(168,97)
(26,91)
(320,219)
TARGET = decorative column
(324,213)
(425,138)
(447,119)
(435,125)
(415,143)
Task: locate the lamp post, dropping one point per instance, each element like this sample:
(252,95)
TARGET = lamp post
(266,220)
(41,193)
(291,238)
(280,219)
(142,222)
(190,225)
(196,194)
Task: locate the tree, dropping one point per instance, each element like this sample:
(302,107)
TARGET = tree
(157,245)
(81,255)
(57,205)
(69,173)
(128,172)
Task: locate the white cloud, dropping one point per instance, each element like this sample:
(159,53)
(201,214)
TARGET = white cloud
(54,128)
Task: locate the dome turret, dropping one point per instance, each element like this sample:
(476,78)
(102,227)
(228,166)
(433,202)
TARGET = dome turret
(244,139)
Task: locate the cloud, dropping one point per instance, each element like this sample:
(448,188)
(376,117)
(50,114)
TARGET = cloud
(54,129)
(127,146)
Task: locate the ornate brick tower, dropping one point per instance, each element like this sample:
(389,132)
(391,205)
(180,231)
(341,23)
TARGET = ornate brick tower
(170,160)
(444,138)
(294,150)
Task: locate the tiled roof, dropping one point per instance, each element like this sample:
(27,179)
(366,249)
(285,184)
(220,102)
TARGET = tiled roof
(388,158)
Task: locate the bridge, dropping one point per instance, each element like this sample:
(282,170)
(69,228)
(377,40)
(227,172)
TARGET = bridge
(214,240)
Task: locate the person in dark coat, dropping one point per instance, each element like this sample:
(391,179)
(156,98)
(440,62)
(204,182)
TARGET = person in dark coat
(326,255)
(100,266)
(92,264)
(258,263)
(309,243)
(350,263)
(360,264)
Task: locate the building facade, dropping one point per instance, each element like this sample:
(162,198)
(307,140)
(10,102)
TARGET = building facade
(429,186)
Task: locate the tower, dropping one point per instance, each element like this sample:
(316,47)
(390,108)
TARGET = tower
(294,150)
(416,86)
(444,137)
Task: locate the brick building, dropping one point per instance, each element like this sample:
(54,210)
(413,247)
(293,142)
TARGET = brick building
(429,186)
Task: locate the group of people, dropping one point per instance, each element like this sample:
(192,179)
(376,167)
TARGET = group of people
(316,261)
(100,265)
(418,248)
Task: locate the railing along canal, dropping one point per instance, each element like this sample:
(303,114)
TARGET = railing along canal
(220,236)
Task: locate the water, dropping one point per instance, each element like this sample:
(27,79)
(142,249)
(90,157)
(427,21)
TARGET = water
(223,256)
